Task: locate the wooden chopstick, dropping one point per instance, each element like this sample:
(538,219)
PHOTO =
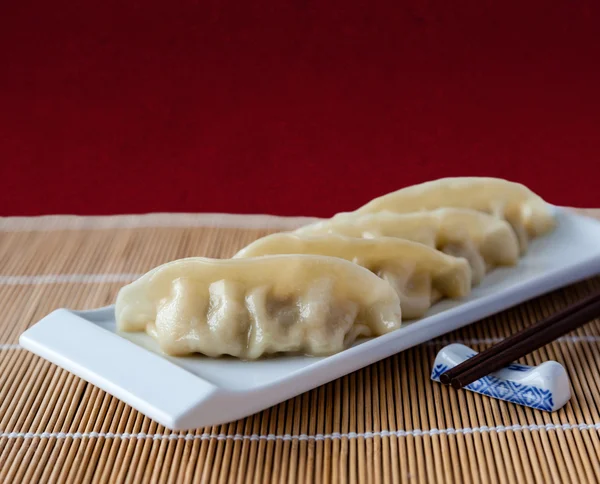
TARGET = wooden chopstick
(515,338)
(523,343)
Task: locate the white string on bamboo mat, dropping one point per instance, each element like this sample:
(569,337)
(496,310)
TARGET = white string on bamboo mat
(49,223)
(300,437)
(66,279)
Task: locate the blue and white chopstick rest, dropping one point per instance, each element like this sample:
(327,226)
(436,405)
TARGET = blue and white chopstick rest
(544,387)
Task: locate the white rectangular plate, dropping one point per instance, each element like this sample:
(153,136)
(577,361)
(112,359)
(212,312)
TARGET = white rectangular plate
(191,392)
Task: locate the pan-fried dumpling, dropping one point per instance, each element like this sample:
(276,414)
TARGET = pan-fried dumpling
(251,307)
(529,215)
(420,274)
(483,240)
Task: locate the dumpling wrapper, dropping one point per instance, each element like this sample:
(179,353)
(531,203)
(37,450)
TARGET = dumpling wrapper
(528,214)
(485,241)
(248,308)
(420,274)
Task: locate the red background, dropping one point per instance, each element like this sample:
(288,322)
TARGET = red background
(293,108)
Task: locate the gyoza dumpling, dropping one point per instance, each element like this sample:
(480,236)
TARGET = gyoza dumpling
(420,274)
(251,307)
(529,215)
(483,240)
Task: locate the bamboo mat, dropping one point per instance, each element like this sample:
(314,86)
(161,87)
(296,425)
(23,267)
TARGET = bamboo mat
(385,423)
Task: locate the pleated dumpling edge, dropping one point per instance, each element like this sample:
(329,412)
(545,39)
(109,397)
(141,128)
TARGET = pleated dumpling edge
(529,215)
(420,274)
(248,308)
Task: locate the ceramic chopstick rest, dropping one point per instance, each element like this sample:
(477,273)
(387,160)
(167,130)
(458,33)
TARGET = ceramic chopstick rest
(544,387)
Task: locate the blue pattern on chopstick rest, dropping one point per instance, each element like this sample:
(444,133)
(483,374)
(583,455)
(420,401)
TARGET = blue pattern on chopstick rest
(518,367)
(504,389)
(514,392)
(544,387)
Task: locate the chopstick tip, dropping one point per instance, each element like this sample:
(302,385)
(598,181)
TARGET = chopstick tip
(456,383)
(445,378)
